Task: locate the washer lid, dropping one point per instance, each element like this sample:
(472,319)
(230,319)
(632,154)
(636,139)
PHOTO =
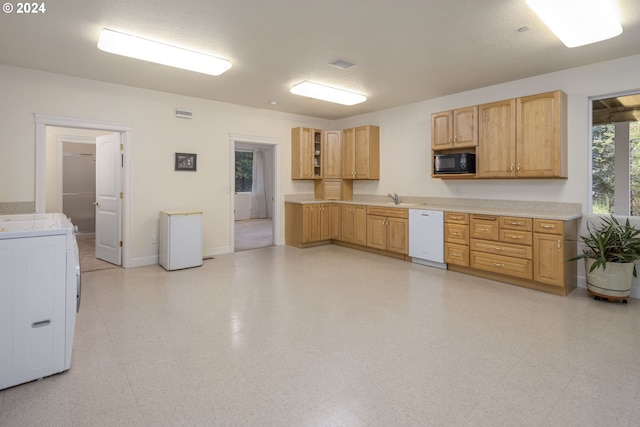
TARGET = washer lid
(33,225)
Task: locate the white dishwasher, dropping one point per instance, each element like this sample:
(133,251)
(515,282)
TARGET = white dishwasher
(426,237)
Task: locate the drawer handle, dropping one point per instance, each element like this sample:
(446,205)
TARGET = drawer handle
(455,234)
(498,264)
(516,223)
(456,255)
(498,248)
(456,217)
(549,227)
(517,237)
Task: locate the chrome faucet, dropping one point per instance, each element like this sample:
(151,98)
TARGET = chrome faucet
(395,198)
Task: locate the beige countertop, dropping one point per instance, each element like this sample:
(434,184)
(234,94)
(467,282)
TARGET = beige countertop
(531,209)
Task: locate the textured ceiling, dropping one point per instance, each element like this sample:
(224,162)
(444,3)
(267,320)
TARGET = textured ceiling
(405,51)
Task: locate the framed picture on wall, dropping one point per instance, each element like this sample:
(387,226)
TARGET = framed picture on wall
(186,161)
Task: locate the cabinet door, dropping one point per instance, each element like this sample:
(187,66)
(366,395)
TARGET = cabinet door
(548,250)
(348,153)
(360,225)
(497,139)
(442,130)
(336,222)
(398,235)
(465,127)
(377,232)
(324,222)
(347,223)
(332,154)
(541,136)
(307,223)
(302,153)
(367,152)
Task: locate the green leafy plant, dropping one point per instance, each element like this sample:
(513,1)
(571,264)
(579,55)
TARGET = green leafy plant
(611,241)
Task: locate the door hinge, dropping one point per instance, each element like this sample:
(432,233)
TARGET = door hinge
(121,147)
(120,243)
(121,195)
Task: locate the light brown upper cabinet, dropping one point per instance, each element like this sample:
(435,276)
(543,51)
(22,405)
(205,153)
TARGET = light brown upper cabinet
(361,153)
(332,154)
(455,129)
(306,153)
(541,135)
(523,137)
(496,154)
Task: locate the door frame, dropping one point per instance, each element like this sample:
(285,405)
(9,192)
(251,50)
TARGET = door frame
(274,143)
(126,133)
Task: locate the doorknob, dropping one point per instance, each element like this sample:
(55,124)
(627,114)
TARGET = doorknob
(96,204)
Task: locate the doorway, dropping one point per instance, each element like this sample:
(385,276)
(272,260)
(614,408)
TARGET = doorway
(254,193)
(110,142)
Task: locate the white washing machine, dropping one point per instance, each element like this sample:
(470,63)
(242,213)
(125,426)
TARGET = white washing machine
(39,296)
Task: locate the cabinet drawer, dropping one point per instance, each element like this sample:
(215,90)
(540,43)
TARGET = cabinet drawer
(394,212)
(550,226)
(516,267)
(456,233)
(484,227)
(515,223)
(456,217)
(456,254)
(515,236)
(499,248)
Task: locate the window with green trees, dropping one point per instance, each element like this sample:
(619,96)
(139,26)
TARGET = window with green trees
(244,171)
(615,150)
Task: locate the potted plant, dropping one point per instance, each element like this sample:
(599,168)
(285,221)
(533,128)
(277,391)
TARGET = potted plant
(612,249)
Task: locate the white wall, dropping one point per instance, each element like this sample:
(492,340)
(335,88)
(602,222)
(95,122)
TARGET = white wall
(156,136)
(405,135)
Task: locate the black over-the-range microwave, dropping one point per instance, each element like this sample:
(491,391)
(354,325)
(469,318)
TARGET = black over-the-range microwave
(454,163)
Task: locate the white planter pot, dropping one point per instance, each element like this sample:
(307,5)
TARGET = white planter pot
(615,281)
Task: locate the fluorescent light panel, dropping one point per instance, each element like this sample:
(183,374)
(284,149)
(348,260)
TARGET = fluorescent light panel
(161,53)
(579,22)
(327,93)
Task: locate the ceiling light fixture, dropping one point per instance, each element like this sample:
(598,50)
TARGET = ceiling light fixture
(161,53)
(327,93)
(579,22)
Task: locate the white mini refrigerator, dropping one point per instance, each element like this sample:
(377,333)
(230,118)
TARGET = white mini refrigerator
(180,239)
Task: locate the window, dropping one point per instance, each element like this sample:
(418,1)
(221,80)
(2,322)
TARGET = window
(615,155)
(244,171)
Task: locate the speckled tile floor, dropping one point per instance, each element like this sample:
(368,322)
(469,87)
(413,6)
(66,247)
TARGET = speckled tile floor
(330,336)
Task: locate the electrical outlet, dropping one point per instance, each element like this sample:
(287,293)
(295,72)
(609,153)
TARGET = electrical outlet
(154,240)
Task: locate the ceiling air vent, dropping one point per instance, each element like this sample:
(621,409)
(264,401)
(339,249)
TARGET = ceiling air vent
(342,64)
(183,113)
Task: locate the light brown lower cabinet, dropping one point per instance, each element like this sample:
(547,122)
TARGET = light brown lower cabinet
(388,229)
(307,223)
(354,224)
(528,252)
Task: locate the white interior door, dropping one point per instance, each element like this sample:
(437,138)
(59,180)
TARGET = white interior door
(108,198)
